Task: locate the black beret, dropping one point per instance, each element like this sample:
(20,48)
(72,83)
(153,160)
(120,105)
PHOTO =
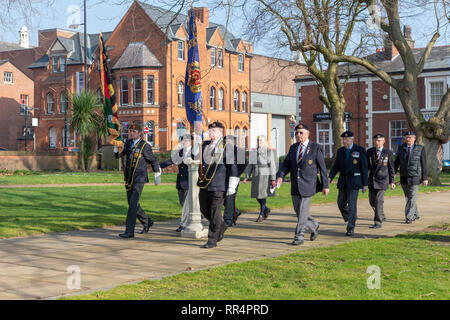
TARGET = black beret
(136,126)
(302,126)
(347,134)
(215,124)
(378,135)
(409,133)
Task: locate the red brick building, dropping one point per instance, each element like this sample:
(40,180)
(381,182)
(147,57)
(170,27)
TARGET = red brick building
(148,59)
(372,106)
(16,96)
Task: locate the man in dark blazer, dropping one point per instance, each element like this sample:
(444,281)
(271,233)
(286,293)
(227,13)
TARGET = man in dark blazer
(351,163)
(181,158)
(412,161)
(304,161)
(137,154)
(218,179)
(381,175)
(230,212)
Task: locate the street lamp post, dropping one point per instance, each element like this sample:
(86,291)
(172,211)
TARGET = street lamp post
(85,48)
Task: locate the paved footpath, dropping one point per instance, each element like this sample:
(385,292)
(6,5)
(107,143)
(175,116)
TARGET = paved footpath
(36,267)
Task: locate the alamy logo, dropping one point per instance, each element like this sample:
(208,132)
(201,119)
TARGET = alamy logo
(374,282)
(74,280)
(74,18)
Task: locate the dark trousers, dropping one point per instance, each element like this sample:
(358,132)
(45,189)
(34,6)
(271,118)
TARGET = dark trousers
(347,201)
(230,207)
(134,209)
(376,200)
(211,203)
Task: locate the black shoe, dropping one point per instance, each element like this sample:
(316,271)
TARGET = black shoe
(126,235)
(209,245)
(222,232)
(260,218)
(180,228)
(238,213)
(145,230)
(408,221)
(375,226)
(297,242)
(350,233)
(266,213)
(315,233)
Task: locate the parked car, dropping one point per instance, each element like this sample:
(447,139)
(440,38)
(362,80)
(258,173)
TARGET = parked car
(72,149)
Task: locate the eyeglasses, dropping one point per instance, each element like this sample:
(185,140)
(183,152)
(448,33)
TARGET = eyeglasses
(300,132)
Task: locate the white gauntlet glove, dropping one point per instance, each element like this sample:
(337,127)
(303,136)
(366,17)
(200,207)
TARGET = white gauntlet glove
(232,184)
(158,177)
(116,150)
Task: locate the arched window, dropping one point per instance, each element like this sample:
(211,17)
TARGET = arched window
(50,102)
(180,94)
(236,136)
(63,102)
(244,101)
(220,99)
(244,138)
(212,98)
(52,138)
(236,101)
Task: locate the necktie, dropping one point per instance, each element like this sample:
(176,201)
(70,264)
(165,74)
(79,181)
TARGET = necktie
(409,151)
(300,154)
(378,154)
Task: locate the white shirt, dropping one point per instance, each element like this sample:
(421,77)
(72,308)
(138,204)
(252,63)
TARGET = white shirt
(304,145)
(135,142)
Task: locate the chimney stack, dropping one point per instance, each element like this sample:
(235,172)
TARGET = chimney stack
(390,50)
(202,14)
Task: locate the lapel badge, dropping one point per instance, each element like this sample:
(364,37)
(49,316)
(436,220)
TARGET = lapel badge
(310,162)
(355,161)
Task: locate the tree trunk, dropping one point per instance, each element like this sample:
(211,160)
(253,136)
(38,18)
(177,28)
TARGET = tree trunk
(337,119)
(434,153)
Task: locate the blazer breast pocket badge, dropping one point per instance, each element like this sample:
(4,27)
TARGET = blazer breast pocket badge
(355,161)
(310,162)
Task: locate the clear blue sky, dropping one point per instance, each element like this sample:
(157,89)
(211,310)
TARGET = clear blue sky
(105,15)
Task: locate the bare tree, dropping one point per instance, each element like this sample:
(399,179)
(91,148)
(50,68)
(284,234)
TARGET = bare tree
(433,133)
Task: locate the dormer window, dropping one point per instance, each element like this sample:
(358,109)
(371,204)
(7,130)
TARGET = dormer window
(54,64)
(241,62)
(62,64)
(213,57)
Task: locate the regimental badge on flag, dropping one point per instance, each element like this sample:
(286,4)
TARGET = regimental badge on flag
(109,99)
(193,88)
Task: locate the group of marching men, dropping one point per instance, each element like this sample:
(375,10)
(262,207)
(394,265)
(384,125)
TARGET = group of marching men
(223,163)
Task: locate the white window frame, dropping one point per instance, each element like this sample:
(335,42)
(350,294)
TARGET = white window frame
(220,57)
(181,50)
(180,93)
(244,101)
(63,98)
(62,64)
(236,101)
(212,98)
(241,62)
(221,94)
(55,67)
(330,135)
(122,91)
(8,77)
(398,136)
(428,81)
(244,138)
(393,98)
(51,111)
(80,81)
(137,90)
(213,57)
(24,106)
(52,138)
(151,89)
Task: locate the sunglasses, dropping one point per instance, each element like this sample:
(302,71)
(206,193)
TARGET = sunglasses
(300,132)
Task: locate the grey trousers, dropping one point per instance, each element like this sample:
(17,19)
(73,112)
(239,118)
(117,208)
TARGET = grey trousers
(376,200)
(305,221)
(347,202)
(411,192)
(182,195)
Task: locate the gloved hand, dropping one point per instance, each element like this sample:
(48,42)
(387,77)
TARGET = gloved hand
(116,150)
(158,177)
(232,184)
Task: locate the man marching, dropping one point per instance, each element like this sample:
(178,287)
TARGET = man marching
(412,161)
(351,163)
(304,161)
(381,175)
(218,173)
(138,153)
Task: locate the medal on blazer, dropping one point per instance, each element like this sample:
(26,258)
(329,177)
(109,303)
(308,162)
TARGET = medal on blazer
(355,161)
(210,172)
(310,162)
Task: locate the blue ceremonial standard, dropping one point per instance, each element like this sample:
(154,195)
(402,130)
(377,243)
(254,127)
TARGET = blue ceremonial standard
(193,89)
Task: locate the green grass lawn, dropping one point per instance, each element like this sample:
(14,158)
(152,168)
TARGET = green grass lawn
(413,266)
(28,211)
(34,177)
